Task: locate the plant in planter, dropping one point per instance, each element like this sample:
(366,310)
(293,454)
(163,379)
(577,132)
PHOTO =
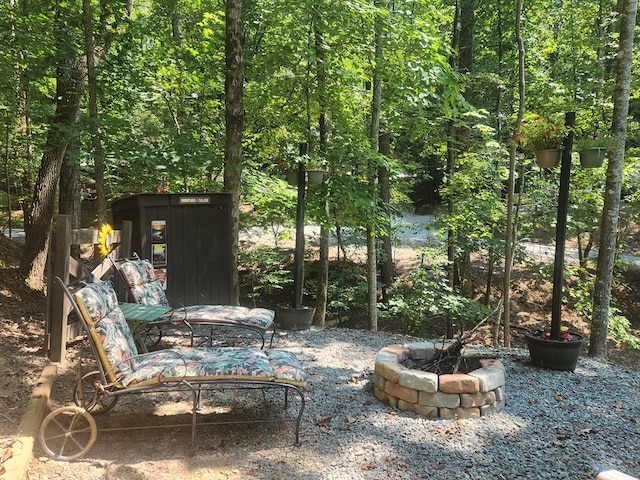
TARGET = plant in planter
(544,135)
(558,349)
(296,316)
(315,167)
(593,148)
(554,354)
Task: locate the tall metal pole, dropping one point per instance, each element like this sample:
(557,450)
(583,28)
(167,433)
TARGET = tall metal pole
(561,229)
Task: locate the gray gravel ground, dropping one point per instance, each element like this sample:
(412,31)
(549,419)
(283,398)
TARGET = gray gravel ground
(556,425)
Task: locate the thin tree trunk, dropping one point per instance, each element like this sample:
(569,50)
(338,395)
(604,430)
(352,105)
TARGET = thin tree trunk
(451,162)
(323,126)
(234,122)
(376,105)
(386,264)
(96,140)
(22,94)
(509,244)
(613,188)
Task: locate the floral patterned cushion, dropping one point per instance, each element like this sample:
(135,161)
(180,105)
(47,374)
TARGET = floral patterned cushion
(229,315)
(216,364)
(99,307)
(142,282)
(146,289)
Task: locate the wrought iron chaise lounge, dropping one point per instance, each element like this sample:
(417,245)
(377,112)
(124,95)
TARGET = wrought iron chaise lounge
(68,432)
(145,288)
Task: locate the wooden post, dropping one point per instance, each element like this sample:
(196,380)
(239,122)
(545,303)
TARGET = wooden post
(124,249)
(57,319)
(62,265)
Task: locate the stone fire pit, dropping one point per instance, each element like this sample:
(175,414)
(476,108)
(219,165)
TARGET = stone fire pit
(476,390)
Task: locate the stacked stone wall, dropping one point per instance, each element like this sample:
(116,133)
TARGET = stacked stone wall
(457,395)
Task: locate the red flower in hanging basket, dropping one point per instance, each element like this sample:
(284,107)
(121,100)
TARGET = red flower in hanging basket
(541,132)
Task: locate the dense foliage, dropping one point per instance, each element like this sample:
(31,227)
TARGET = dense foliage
(161,108)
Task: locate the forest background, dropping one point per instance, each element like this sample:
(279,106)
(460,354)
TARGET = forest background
(405,106)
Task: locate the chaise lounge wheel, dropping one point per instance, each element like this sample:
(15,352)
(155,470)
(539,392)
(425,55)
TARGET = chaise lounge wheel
(86,396)
(67,433)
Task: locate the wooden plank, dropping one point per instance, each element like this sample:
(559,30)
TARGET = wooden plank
(60,304)
(62,264)
(91,236)
(16,466)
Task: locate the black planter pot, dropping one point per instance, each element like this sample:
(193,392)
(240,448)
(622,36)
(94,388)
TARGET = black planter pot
(290,318)
(554,354)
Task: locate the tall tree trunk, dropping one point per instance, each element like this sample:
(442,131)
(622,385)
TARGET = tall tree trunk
(386,263)
(509,244)
(23,100)
(69,202)
(323,128)
(463,133)
(613,188)
(96,140)
(234,122)
(376,106)
(69,193)
(452,155)
(69,87)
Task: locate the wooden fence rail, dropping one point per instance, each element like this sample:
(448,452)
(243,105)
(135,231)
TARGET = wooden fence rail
(61,264)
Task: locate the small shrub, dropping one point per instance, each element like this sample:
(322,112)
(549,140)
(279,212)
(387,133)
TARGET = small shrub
(263,271)
(424,296)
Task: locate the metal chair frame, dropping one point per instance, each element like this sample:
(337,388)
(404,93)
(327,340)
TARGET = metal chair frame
(69,432)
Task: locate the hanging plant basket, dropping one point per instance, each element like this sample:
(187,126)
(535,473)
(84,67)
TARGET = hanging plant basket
(292,178)
(315,177)
(554,354)
(592,157)
(548,158)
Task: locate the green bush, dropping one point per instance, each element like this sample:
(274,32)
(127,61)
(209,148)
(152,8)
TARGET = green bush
(424,297)
(263,271)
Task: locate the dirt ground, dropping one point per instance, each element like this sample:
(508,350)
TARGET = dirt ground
(22,319)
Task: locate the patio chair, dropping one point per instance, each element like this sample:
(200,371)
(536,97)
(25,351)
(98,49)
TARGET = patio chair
(68,432)
(144,287)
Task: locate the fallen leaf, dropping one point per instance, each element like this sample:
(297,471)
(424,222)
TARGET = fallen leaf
(368,466)
(559,398)
(617,405)
(323,422)
(351,419)
(520,424)
(585,431)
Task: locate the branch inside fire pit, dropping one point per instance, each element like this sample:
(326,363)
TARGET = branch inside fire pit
(448,360)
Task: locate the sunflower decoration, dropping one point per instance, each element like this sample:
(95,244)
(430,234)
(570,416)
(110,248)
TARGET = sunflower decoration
(105,240)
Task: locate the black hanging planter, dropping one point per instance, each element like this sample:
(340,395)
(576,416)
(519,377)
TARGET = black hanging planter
(554,354)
